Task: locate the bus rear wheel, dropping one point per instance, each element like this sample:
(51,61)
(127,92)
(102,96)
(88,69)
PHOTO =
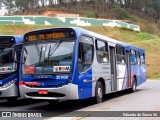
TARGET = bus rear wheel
(134,85)
(99,92)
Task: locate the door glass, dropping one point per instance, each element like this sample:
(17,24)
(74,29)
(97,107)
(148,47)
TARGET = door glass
(85,54)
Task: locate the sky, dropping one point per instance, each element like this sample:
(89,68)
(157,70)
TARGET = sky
(2,11)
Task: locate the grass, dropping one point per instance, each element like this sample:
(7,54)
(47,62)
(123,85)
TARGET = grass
(152,56)
(149,42)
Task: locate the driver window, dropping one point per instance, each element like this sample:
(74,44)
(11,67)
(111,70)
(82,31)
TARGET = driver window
(85,53)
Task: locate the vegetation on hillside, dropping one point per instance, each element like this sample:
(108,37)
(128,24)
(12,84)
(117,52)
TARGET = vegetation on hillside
(147,41)
(144,13)
(119,9)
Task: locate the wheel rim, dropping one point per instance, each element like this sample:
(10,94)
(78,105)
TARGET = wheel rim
(100,94)
(134,86)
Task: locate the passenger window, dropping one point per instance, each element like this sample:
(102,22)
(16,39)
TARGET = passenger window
(143,59)
(102,52)
(133,57)
(138,58)
(85,53)
(120,54)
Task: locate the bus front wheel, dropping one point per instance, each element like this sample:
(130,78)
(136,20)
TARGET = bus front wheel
(99,92)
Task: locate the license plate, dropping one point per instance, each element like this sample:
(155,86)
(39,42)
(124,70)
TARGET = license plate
(42,92)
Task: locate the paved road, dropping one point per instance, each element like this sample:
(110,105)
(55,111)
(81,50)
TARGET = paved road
(146,98)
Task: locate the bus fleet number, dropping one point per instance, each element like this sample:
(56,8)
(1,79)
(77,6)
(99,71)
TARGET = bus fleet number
(62,77)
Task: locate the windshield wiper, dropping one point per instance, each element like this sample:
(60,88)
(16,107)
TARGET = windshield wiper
(38,50)
(40,55)
(49,53)
(25,57)
(53,49)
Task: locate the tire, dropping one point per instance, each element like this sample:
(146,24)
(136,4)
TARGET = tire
(99,92)
(134,85)
(12,99)
(53,102)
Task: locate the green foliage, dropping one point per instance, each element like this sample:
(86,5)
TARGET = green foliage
(132,17)
(119,9)
(91,14)
(120,13)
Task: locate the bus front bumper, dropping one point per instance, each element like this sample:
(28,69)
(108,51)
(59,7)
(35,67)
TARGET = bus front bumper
(67,92)
(10,91)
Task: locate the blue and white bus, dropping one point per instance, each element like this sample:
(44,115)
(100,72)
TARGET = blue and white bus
(9,68)
(73,63)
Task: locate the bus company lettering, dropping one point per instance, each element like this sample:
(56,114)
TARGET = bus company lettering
(5,69)
(61,68)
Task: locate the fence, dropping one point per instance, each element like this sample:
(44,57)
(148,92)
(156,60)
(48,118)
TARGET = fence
(62,21)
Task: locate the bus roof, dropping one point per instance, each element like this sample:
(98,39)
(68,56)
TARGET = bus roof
(80,31)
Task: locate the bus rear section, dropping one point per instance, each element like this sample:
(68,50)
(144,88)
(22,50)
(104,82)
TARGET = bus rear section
(138,66)
(47,72)
(9,69)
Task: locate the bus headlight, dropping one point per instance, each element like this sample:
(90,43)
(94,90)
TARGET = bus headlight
(9,83)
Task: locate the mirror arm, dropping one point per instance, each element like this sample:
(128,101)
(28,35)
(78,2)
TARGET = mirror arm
(18,62)
(17,45)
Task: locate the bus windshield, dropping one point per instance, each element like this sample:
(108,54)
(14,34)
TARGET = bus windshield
(48,57)
(7,57)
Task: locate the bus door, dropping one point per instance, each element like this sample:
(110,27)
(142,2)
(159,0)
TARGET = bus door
(113,68)
(128,68)
(85,60)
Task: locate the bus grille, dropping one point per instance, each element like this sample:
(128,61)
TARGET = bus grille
(50,94)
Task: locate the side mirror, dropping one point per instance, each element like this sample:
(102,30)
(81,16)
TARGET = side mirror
(17,62)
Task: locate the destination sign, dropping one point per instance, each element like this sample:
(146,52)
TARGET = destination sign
(6,40)
(49,35)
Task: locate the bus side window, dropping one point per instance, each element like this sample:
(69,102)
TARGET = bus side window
(138,58)
(142,59)
(120,54)
(133,57)
(85,54)
(102,52)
